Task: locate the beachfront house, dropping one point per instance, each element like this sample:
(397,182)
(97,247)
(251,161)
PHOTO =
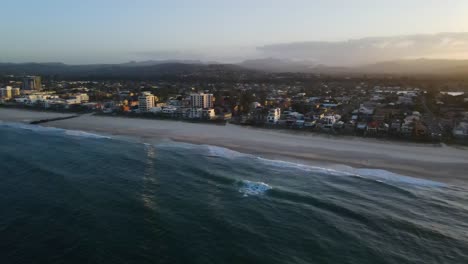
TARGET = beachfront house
(460,131)
(366,109)
(208,114)
(274,115)
(407,129)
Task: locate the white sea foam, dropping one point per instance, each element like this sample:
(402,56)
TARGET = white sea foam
(30,127)
(211,150)
(177,145)
(378,175)
(387,176)
(224,152)
(254,188)
(303,167)
(54,130)
(77,133)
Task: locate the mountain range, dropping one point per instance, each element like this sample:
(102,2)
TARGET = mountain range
(155,69)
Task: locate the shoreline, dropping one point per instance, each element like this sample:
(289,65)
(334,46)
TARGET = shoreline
(440,163)
(300,132)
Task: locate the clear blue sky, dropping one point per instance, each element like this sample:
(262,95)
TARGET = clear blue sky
(90,31)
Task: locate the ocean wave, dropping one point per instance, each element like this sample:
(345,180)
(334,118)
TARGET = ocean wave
(224,152)
(387,176)
(77,133)
(302,167)
(378,175)
(29,127)
(253,188)
(53,130)
(177,145)
(212,151)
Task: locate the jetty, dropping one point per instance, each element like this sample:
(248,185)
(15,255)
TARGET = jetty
(52,119)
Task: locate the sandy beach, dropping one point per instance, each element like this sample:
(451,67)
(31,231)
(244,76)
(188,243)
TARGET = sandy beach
(441,163)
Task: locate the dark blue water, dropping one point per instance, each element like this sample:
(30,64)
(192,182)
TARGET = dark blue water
(70,197)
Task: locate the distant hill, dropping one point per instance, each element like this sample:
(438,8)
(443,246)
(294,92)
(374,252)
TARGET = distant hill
(276,65)
(158,69)
(158,62)
(144,70)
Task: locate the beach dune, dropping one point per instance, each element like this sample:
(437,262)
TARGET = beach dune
(438,162)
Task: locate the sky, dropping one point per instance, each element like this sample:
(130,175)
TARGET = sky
(112,31)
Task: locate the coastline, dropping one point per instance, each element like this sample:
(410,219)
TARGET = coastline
(441,163)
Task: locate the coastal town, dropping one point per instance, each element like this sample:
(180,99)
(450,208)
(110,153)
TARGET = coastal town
(366,107)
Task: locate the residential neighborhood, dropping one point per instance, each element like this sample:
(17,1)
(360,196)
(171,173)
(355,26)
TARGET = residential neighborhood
(346,106)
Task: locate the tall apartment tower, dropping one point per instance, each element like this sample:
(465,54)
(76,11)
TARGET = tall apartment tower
(201,100)
(145,102)
(32,83)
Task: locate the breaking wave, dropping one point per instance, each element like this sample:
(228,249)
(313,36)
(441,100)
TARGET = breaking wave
(253,188)
(53,130)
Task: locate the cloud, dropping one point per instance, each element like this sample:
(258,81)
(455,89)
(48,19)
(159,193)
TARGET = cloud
(369,50)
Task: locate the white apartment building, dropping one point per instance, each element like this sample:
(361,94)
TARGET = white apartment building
(201,100)
(36,97)
(145,102)
(169,110)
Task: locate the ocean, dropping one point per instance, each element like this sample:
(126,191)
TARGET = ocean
(76,197)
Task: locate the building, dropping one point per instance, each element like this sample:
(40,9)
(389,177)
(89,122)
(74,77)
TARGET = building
(208,114)
(405,100)
(395,126)
(274,115)
(169,110)
(195,113)
(36,97)
(407,129)
(73,100)
(461,130)
(32,83)
(366,109)
(145,102)
(16,91)
(84,98)
(5,92)
(201,100)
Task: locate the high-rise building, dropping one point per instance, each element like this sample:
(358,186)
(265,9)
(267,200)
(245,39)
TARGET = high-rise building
(16,91)
(32,83)
(201,100)
(145,102)
(5,92)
